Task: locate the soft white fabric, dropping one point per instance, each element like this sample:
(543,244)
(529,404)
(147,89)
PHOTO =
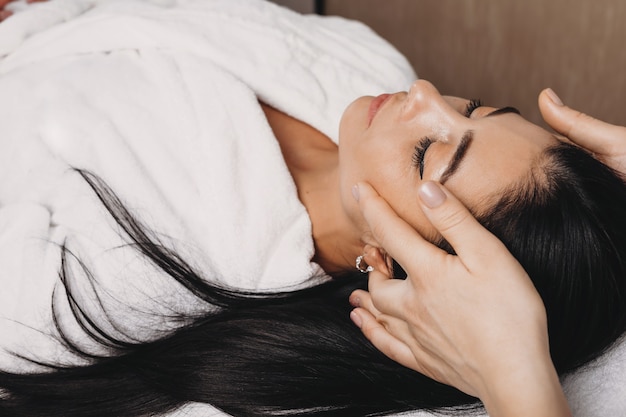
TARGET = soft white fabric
(159,98)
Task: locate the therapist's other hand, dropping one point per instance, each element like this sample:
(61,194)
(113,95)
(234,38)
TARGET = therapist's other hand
(606,141)
(472,320)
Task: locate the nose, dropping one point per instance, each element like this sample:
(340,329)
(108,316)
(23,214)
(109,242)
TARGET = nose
(420,89)
(424,102)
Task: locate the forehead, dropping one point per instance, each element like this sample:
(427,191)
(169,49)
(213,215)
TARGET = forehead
(504,149)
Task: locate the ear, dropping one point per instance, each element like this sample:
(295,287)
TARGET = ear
(378,259)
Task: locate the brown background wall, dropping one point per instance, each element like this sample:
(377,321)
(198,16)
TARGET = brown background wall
(505,51)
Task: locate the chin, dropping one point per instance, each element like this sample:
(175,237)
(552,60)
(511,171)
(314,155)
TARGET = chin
(354,119)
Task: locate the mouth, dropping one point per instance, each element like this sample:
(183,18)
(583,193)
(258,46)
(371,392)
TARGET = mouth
(375,106)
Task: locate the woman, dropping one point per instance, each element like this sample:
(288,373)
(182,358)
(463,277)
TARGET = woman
(486,366)
(260,354)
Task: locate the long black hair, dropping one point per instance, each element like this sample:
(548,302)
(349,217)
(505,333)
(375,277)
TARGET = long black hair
(297,353)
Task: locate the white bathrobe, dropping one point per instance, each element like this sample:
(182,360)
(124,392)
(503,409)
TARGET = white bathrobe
(160,99)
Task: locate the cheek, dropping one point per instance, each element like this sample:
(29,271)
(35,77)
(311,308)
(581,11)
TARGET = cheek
(404,200)
(354,120)
(381,157)
(397,183)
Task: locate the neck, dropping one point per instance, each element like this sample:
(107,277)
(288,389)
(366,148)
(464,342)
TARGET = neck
(312,159)
(337,243)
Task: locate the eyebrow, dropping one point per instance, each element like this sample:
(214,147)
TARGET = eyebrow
(503,110)
(466,140)
(460,152)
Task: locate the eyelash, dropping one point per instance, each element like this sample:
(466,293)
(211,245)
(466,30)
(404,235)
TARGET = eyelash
(471,106)
(420,152)
(425,142)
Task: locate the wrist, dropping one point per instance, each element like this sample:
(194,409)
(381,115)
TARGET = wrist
(529,388)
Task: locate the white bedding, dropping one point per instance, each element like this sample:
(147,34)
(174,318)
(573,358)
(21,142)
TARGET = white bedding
(159,98)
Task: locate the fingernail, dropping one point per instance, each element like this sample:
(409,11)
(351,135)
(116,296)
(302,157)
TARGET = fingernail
(555,99)
(355,192)
(431,194)
(355,301)
(356,319)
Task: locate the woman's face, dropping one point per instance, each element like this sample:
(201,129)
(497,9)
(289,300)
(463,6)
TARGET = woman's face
(386,141)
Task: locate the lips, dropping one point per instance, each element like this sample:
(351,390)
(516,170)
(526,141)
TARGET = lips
(376,105)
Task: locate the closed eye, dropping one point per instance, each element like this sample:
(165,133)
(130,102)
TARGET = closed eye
(420,152)
(471,106)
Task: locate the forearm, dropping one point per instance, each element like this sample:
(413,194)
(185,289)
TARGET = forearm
(533,390)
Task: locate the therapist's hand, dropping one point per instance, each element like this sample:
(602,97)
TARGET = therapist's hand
(474,321)
(606,141)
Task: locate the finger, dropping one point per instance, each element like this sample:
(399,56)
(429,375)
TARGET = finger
(4,3)
(383,299)
(397,237)
(376,333)
(395,325)
(5,14)
(387,294)
(362,299)
(586,131)
(457,225)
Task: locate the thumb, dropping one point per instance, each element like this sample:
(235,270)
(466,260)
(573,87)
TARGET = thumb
(582,129)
